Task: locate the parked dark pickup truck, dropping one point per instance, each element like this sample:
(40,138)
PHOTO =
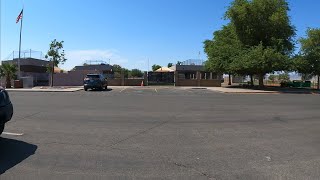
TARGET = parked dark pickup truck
(6,108)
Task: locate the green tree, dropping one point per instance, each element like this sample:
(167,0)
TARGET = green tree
(8,71)
(170,65)
(263,26)
(261,60)
(116,68)
(222,51)
(49,68)
(56,55)
(118,71)
(241,65)
(155,67)
(308,61)
(126,72)
(284,77)
(273,78)
(136,73)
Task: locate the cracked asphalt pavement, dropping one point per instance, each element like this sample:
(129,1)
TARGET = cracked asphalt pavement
(161,133)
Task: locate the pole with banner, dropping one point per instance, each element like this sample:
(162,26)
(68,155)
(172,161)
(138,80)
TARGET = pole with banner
(20,17)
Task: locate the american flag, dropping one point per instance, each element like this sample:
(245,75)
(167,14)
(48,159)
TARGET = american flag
(20,16)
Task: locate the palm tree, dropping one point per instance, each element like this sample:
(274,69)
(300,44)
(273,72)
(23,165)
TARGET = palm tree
(9,71)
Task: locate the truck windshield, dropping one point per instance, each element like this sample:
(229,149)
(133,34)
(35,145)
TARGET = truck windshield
(93,76)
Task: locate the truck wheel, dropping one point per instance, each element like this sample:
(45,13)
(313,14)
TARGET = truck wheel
(85,89)
(1,128)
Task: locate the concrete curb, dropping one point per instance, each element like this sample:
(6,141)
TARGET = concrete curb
(44,90)
(251,92)
(245,91)
(308,93)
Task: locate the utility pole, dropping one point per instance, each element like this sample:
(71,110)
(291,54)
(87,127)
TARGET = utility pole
(20,17)
(148,72)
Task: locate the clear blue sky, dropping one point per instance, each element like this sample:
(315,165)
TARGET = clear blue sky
(124,31)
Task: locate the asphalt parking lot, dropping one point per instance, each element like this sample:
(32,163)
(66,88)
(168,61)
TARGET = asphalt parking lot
(161,133)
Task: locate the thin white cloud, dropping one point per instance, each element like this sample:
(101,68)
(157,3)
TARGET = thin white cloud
(78,57)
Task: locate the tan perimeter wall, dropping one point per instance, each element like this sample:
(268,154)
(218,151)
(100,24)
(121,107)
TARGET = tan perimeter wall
(114,82)
(210,83)
(126,82)
(187,82)
(72,78)
(75,78)
(134,82)
(199,83)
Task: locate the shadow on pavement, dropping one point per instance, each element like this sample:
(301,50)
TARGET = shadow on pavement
(13,152)
(97,90)
(278,89)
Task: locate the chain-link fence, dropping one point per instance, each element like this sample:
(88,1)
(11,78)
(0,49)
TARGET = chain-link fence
(197,62)
(26,54)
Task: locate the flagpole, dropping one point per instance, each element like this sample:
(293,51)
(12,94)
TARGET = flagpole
(19,70)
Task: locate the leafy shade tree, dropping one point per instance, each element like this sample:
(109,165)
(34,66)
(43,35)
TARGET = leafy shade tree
(170,65)
(126,72)
(155,67)
(263,26)
(56,55)
(222,50)
(308,62)
(118,71)
(116,68)
(9,72)
(273,78)
(284,77)
(259,60)
(136,73)
(242,65)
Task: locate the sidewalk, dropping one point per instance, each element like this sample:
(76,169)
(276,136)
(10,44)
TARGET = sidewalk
(216,89)
(227,90)
(46,89)
(240,90)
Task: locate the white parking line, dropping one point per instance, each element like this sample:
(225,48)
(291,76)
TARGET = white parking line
(12,134)
(156,90)
(123,89)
